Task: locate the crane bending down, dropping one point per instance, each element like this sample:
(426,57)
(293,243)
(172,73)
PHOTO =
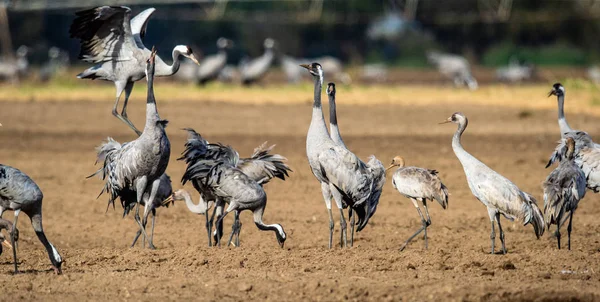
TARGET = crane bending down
(420,184)
(6,225)
(260,167)
(230,185)
(563,189)
(356,183)
(138,165)
(19,193)
(112,40)
(497,193)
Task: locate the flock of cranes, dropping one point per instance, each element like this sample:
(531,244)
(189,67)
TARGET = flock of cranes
(135,172)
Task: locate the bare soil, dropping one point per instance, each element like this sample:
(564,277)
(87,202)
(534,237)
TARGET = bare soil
(54,143)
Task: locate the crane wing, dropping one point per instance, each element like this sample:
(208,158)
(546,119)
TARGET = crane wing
(588,160)
(139,24)
(347,173)
(263,166)
(104,33)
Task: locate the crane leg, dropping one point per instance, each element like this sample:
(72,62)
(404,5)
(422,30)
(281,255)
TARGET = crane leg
(569,230)
(493,236)
(422,228)
(219,224)
(121,86)
(327,197)
(343,235)
(137,219)
(139,232)
(237,235)
(209,225)
(562,222)
(352,218)
(13,234)
(151,241)
(220,230)
(501,233)
(128,89)
(427,222)
(234,226)
(557,233)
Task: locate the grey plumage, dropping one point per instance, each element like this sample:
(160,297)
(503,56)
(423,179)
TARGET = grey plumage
(252,70)
(497,193)
(454,67)
(418,184)
(261,167)
(587,153)
(563,189)
(138,165)
(112,40)
(228,184)
(128,199)
(58,60)
(211,66)
(15,69)
(18,192)
(8,226)
(354,183)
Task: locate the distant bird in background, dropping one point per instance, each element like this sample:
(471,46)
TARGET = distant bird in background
(254,69)
(563,189)
(58,61)
(497,193)
(15,69)
(138,165)
(418,184)
(454,67)
(355,182)
(18,192)
(211,66)
(515,72)
(112,40)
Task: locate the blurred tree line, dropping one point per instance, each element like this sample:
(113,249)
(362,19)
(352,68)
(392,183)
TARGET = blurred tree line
(543,32)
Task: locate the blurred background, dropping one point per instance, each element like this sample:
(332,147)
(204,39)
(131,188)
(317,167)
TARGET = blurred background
(464,43)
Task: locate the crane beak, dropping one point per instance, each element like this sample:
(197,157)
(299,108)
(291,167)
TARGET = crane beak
(168,200)
(281,244)
(552,92)
(7,244)
(193,58)
(391,166)
(57,270)
(448,120)
(307,66)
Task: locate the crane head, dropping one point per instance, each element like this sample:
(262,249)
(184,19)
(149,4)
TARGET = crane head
(456,117)
(224,43)
(557,89)
(397,161)
(315,69)
(331,89)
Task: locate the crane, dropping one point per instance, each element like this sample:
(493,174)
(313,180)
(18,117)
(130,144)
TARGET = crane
(112,40)
(496,192)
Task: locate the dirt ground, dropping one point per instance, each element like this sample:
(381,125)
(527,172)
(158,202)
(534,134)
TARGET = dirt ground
(54,143)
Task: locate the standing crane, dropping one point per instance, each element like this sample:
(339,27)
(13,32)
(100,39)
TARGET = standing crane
(563,189)
(18,192)
(420,184)
(260,167)
(211,66)
(252,70)
(496,192)
(355,182)
(138,165)
(112,40)
(454,67)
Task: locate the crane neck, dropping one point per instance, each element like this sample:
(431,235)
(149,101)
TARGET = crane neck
(163,69)
(55,258)
(336,136)
(562,121)
(456,141)
(318,128)
(152,116)
(277,228)
(199,208)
